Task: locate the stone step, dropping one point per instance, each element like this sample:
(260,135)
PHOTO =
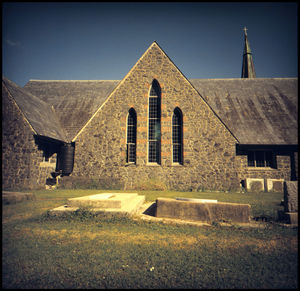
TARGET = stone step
(128,206)
(103,200)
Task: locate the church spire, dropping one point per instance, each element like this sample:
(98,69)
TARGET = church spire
(248,66)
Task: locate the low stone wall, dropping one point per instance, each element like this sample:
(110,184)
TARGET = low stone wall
(15,197)
(204,212)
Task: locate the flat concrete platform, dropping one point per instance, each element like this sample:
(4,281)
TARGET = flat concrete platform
(104,203)
(103,200)
(9,197)
(197,200)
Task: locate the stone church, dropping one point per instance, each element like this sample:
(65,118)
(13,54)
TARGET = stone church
(153,125)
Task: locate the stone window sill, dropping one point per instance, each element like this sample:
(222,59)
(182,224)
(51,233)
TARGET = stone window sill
(130,164)
(153,164)
(262,168)
(176,165)
(47,165)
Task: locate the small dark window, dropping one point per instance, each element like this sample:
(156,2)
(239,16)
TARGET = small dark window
(177,144)
(131,137)
(251,159)
(261,159)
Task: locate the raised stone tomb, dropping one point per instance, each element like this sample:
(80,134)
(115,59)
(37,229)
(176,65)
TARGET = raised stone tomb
(202,211)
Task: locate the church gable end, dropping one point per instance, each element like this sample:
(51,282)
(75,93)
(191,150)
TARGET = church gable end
(208,147)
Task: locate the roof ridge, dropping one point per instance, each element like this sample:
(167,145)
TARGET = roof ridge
(6,82)
(209,79)
(36,80)
(243,79)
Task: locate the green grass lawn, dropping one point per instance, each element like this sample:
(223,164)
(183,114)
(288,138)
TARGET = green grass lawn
(39,251)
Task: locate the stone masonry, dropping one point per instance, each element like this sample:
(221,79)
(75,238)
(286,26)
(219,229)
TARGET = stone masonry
(209,148)
(20,155)
(210,160)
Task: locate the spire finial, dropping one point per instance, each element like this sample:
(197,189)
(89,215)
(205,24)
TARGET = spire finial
(248,66)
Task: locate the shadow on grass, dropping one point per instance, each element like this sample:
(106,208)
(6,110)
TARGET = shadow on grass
(151,210)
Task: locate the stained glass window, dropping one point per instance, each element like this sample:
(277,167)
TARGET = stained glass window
(154,134)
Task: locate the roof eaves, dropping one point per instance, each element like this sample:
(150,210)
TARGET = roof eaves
(197,92)
(115,89)
(22,113)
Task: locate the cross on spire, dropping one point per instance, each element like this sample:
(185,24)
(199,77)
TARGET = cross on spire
(248,66)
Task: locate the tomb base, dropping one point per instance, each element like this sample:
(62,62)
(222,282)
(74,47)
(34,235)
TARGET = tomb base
(202,211)
(288,217)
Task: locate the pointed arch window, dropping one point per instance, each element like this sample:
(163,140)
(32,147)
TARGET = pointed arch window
(177,136)
(154,116)
(131,136)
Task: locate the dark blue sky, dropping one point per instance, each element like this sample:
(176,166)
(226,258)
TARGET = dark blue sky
(102,41)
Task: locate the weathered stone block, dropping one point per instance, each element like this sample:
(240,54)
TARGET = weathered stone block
(291,196)
(255,185)
(204,212)
(275,185)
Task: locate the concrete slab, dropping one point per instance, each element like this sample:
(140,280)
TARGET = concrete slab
(105,203)
(63,210)
(197,200)
(103,200)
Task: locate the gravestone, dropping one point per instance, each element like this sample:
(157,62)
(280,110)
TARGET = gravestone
(290,213)
(291,196)
(275,185)
(255,185)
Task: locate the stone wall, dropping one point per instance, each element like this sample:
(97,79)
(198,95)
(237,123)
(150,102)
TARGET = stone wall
(209,148)
(20,155)
(283,170)
(210,160)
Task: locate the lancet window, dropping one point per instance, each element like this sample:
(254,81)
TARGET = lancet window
(154,117)
(177,136)
(131,136)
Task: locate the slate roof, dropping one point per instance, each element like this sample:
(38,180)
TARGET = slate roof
(256,111)
(74,101)
(40,115)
